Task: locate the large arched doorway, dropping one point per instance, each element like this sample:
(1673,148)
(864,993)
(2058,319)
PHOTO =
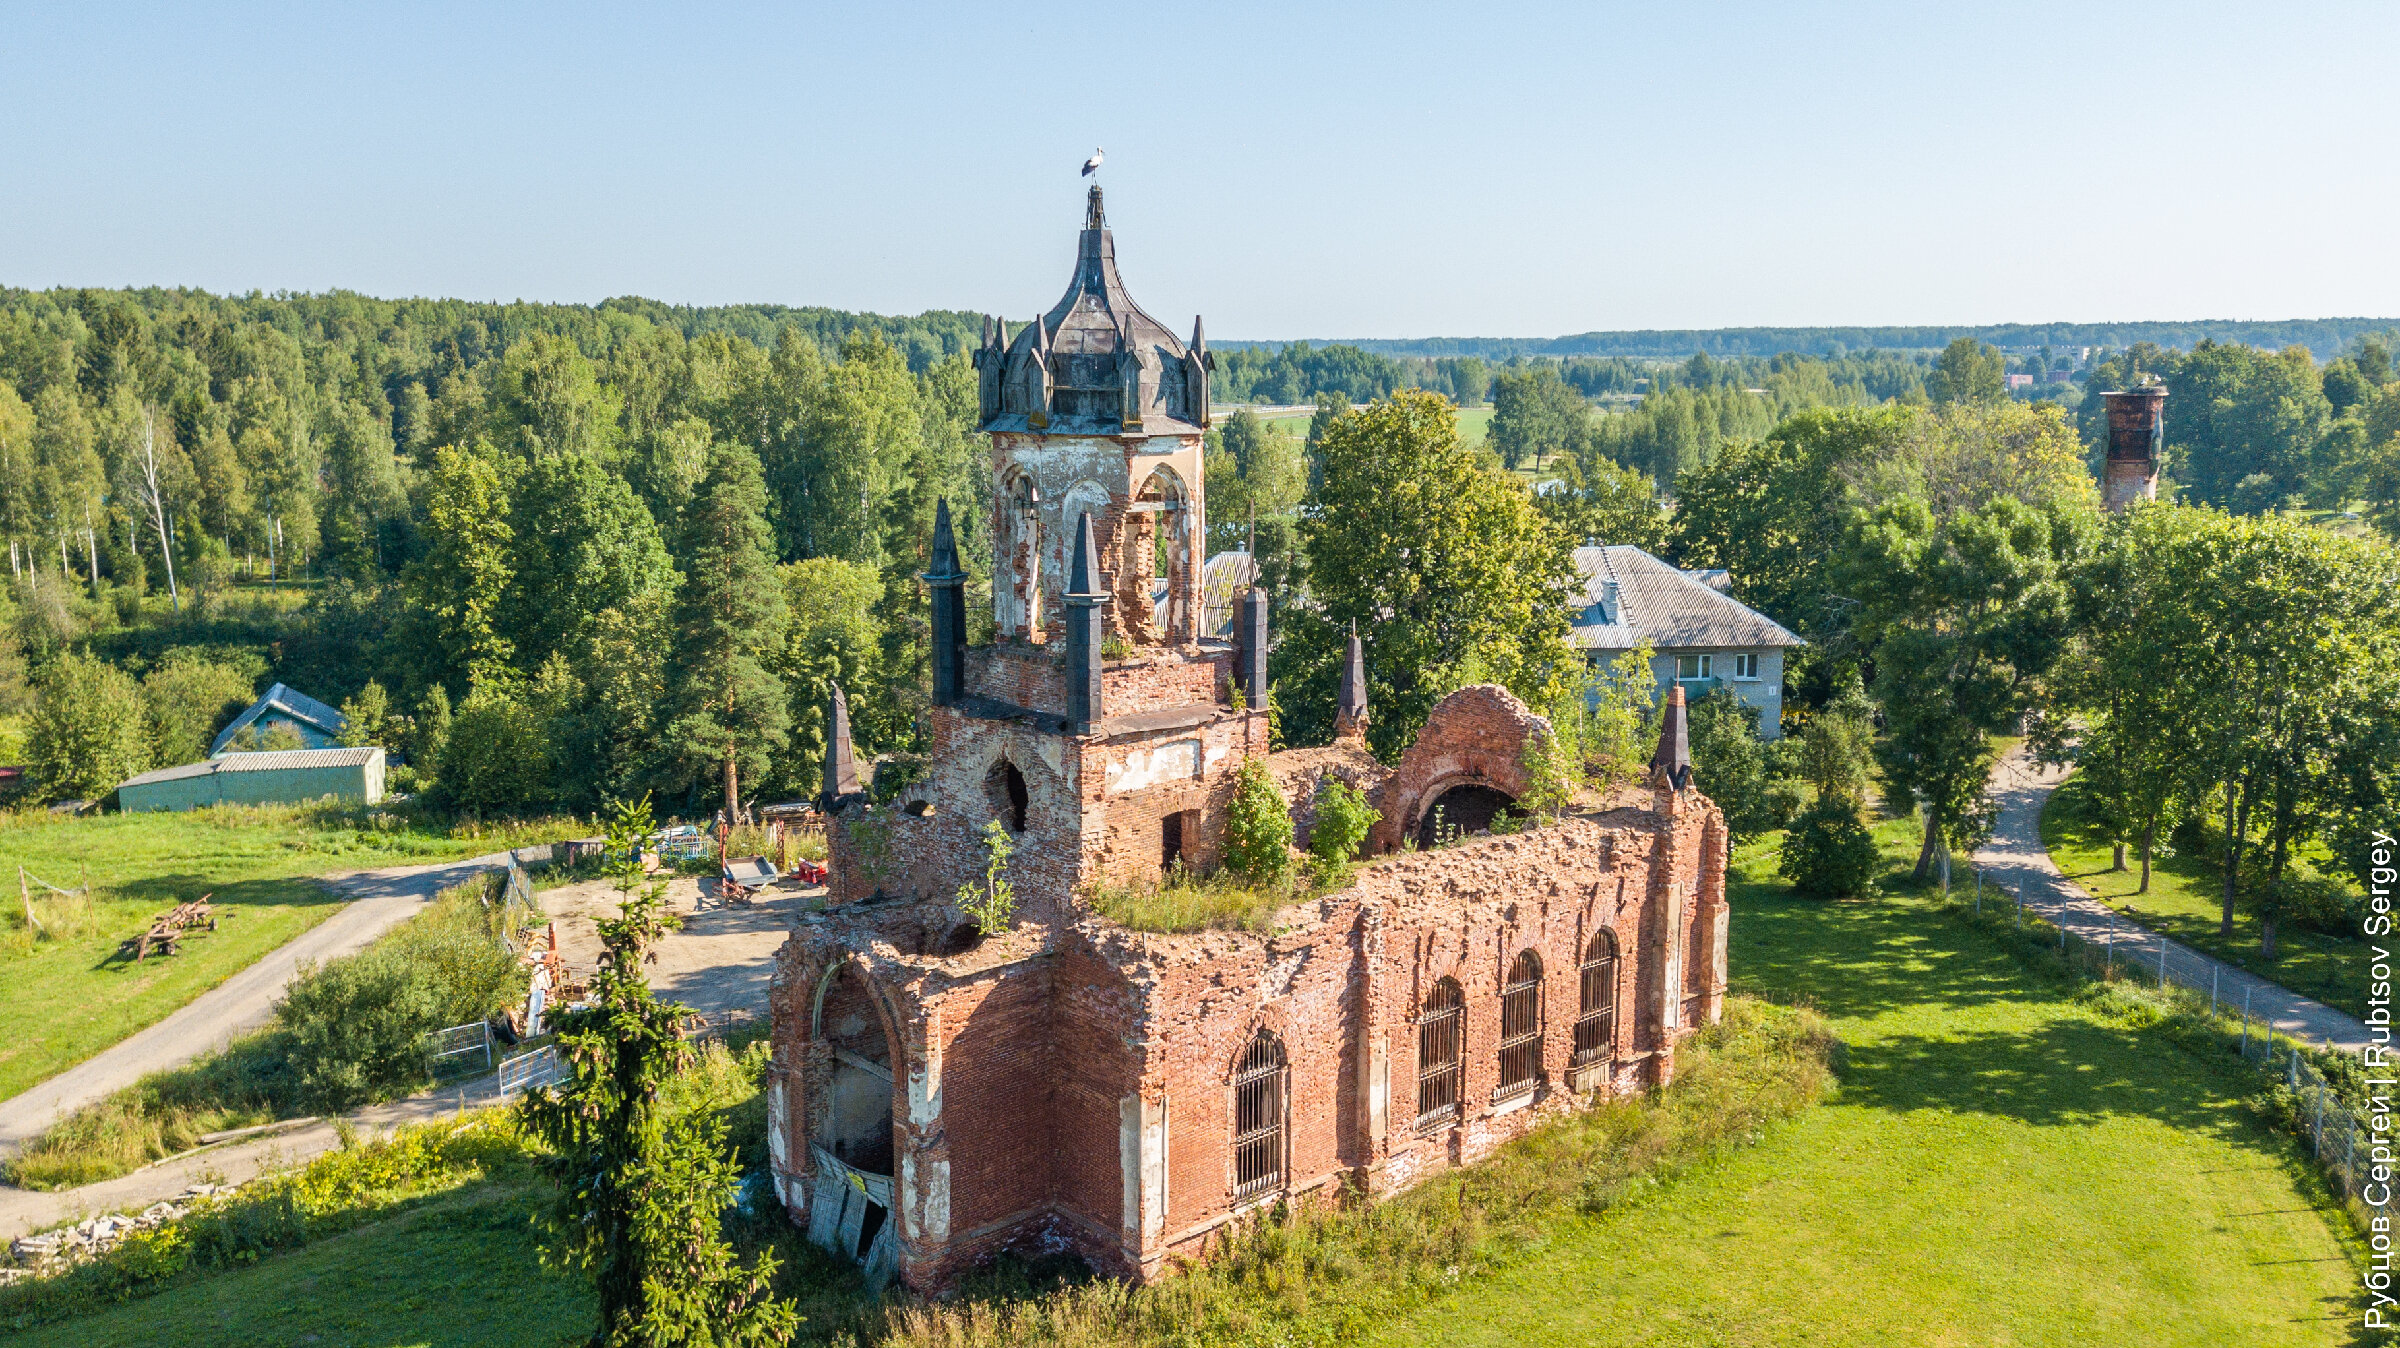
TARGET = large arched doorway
(850,1205)
(1466,809)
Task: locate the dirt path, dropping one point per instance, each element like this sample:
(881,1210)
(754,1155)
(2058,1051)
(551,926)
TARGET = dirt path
(245,1001)
(2016,858)
(720,960)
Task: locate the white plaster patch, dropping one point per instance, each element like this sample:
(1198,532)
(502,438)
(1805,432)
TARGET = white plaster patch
(1277,980)
(1173,762)
(778,1122)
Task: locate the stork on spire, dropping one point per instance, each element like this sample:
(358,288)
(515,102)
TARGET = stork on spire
(1092,165)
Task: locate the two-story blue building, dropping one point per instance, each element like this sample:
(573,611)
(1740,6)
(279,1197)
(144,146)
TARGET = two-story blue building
(1700,635)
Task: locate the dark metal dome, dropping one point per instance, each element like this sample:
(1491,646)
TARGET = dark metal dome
(1096,364)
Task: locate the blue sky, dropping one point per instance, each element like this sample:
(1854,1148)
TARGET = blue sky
(1289,170)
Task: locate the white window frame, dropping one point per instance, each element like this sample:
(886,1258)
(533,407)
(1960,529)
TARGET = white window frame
(1745,660)
(1703,663)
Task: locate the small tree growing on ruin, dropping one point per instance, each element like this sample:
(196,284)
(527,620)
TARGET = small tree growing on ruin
(992,903)
(1343,818)
(641,1197)
(1258,826)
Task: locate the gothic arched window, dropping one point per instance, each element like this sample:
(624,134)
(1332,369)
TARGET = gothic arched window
(1596,1015)
(1441,1054)
(1521,1025)
(1258,1091)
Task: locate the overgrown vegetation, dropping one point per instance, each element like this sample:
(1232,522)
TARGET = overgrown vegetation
(640,1189)
(1184,901)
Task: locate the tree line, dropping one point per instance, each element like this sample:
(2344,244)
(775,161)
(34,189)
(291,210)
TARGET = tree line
(2325,336)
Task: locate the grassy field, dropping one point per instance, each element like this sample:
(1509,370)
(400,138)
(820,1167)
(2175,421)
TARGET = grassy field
(64,997)
(2005,1165)
(2185,900)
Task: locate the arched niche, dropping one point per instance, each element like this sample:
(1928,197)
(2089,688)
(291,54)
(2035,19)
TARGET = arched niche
(1155,578)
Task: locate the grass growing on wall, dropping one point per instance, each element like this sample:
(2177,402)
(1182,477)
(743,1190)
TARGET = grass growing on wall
(64,998)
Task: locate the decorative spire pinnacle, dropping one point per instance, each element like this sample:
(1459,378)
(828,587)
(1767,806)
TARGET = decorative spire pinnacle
(1094,217)
(1083,581)
(1350,713)
(1671,766)
(945,545)
(841,761)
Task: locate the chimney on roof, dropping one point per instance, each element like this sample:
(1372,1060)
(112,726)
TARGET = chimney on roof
(1250,648)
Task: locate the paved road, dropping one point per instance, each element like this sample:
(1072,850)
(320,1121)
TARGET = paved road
(243,1002)
(2016,858)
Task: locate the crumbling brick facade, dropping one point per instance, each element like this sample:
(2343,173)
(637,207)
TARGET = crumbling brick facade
(939,1094)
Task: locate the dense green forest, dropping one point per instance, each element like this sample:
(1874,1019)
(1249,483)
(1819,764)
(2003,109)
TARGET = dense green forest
(558,554)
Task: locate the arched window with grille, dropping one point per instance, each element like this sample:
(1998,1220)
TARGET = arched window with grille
(1441,1055)
(1596,1017)
(1520,1027)
(1258,1093)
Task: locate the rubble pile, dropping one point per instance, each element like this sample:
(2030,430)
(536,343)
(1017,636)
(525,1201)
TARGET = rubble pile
(53,1252)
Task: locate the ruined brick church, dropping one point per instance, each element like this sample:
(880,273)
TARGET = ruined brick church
(940,1094)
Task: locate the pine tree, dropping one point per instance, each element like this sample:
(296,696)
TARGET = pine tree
(640,1197)
(729,616)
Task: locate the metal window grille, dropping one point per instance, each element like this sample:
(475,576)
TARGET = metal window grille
(1521,1026)
(1258,1118)
(1596,1021)
(1441,1058)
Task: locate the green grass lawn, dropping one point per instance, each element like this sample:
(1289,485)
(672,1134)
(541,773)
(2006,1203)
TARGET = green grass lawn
(2186,900)
(2004,1165)
(460,1269)
(63,1000)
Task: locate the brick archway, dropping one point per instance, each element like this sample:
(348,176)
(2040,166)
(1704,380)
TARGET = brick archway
(1476,737)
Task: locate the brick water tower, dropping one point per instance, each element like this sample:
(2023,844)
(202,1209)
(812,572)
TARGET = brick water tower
(2137,438)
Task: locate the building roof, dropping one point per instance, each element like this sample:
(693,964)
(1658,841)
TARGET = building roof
(260,762)
(1670,608)
(297,705)
(1096,363)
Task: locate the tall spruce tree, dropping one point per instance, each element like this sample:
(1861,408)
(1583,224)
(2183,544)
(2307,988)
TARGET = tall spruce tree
(641,1197)
(729,618)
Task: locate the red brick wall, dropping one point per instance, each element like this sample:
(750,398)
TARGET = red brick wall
(998,1086)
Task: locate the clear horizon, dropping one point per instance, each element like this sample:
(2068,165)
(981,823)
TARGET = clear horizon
(1334,173)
